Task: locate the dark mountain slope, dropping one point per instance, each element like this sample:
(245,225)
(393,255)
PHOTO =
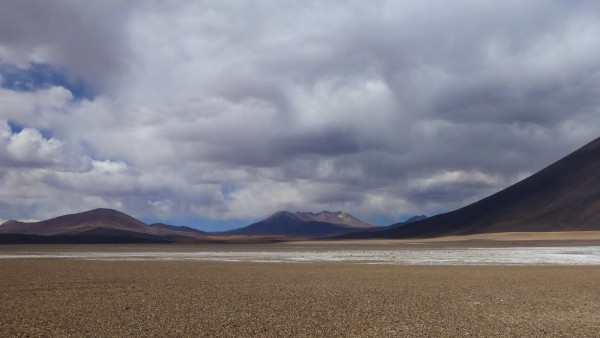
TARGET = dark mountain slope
(80,239)
(179,228)
(562,197)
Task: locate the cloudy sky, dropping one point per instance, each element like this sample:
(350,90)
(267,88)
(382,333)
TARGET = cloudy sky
(217,113)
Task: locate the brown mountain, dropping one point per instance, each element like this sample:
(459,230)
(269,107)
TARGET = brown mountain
(562,197)
(303,224)
(339,218)
(102,223)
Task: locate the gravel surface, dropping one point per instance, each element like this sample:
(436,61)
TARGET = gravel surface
(63,297)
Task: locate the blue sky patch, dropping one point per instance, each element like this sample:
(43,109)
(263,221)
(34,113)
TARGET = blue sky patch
(40,76)
(17,128)
(227,190)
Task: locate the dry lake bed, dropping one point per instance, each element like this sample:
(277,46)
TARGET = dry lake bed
(296,289)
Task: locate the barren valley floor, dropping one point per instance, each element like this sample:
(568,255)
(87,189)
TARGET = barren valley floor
(74,297)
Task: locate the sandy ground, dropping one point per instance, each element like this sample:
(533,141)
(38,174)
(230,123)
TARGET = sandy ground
(64,297)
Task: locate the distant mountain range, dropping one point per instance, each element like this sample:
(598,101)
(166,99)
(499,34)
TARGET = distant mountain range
(562,197)
(304,224)
(99,225)
(111,226)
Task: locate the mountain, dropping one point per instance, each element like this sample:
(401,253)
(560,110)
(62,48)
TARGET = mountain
(285,223)
(565,196)
(98,223)
(116,237)
(105,218)
(180,228)
(411,220)
(363,232)
(340,218)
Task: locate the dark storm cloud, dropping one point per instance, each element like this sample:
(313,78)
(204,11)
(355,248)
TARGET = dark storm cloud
(281,149)
(234,110)
(84,40)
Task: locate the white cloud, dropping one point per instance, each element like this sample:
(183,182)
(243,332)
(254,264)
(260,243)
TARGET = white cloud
(30,145)
(454,178)
(231,110)
(38,109)
(29,148)
(5,131)
(108,167)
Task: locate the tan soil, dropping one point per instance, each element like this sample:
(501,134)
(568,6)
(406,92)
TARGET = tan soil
(217,299)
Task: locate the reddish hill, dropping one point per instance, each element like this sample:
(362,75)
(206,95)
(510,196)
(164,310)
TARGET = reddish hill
(98,222)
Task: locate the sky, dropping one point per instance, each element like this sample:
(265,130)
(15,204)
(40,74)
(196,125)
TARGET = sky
(214,114)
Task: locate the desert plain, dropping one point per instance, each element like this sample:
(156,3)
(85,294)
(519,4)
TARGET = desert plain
(79,290)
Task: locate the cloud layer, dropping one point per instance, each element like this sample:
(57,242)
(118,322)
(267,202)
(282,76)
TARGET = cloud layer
(218,111)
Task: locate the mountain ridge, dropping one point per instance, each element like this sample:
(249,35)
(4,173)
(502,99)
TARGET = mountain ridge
(564,196)
(108,223)
(286,223)
(100,222)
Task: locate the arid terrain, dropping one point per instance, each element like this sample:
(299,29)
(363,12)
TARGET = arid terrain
(195,297)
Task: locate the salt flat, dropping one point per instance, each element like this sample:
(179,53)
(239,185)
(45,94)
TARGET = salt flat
(563,255)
